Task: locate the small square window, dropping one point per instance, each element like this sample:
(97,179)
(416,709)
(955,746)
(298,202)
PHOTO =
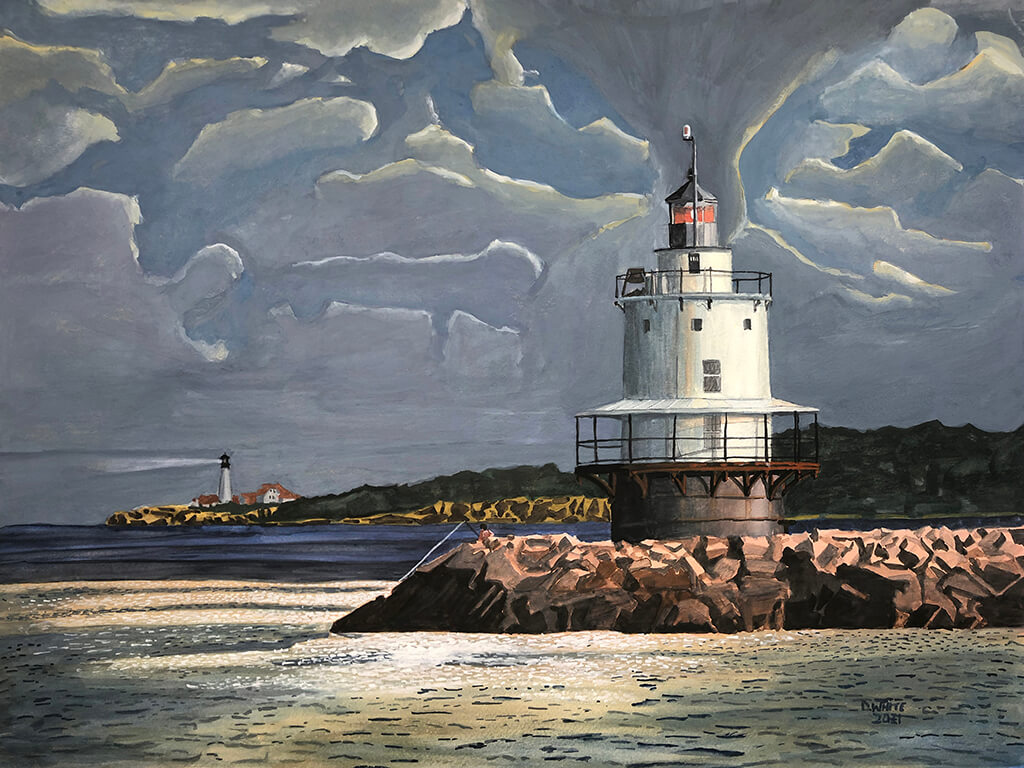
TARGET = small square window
(747,325)
(647,326)
(696,324)
(694,263)
(712,375)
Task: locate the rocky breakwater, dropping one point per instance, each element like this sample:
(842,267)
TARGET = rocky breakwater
(930,577)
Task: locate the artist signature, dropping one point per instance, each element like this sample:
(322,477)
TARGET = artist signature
(887,711)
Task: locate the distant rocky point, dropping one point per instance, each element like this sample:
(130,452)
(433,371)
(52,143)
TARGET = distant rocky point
(931,577)
(561,509)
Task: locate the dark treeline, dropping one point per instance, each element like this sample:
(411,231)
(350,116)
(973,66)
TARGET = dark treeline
(929,470)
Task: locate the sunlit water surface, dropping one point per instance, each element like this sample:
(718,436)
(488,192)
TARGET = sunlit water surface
(154,673)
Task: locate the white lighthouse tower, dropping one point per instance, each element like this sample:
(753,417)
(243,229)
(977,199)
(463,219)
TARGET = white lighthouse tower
(224,489)
(697,444)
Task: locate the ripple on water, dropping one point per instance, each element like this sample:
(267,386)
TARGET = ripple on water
(143,681)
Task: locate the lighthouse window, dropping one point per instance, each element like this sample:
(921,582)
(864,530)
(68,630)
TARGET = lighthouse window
(647,326)
(712,375)
(746,324)
(694,262)
(696,324)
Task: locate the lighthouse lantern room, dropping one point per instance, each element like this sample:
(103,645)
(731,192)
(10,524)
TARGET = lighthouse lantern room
(697,444)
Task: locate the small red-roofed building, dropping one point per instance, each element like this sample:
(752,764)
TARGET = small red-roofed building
(206,500)
(269,493)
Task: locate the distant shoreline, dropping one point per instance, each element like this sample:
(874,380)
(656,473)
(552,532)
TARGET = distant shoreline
(520,509)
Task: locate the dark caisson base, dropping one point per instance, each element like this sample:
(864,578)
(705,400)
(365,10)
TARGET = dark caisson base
(663,512)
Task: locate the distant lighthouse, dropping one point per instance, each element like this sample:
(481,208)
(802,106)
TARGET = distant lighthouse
(694,446)
(224,489)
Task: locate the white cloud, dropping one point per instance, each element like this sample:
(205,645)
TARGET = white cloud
(475,351)
(217,352)
(288,71)
(519,128)
(919,46)
(854,238)
(443,155)
(885,300)
(209,273)
(983,99)
(254,137)
(25,68)
(38,139)
(437,200)
(907,280)
(231,11)
(333,27)
(391,27)
(179,77)
(491,284)
(905,172)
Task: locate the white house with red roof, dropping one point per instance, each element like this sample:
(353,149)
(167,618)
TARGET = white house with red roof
(269,493)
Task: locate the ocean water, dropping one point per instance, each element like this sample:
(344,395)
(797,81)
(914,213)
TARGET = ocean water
(217,670)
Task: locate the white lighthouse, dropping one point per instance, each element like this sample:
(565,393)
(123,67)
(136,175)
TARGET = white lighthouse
(224,489)
(697,444)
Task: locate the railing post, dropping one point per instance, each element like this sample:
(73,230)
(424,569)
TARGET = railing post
(766,459)
(594,421)
(796,436)
(629,440)
(577,441)
(725,439)
(817,456)
(675,424)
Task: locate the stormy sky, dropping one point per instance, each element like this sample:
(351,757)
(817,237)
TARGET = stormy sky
(375,240)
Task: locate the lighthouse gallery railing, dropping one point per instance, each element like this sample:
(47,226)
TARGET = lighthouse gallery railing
(673,282)
(796,445)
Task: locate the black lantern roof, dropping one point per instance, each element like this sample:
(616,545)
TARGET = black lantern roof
(685,193)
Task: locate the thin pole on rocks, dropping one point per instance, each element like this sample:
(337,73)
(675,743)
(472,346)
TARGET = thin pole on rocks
(432,549)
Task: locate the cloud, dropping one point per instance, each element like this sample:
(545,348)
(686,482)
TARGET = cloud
(357,350)
(231,11)
(78,309)
(288,71)
(448,198)
(476,352)
(907,280)
(519,130)
(39,138)
(904,174)
(209,274)
(990,85)
(182,76)
(390,27)
(253,137)
(919,46)
(491,284)
(25,68)
(854,238)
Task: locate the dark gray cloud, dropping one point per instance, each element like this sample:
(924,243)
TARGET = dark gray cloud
(354,246)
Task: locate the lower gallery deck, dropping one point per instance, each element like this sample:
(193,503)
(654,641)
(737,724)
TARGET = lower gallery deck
(675,475)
